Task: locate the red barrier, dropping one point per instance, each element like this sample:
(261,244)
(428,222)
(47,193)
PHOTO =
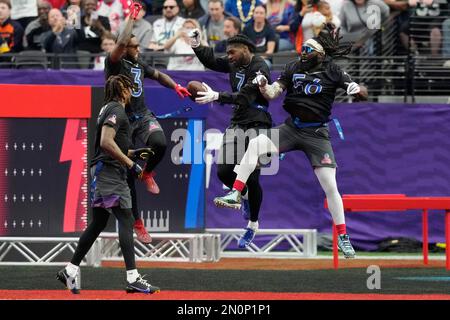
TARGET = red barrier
(398,202)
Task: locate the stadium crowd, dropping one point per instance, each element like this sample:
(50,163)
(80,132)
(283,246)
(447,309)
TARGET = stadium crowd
(90,26)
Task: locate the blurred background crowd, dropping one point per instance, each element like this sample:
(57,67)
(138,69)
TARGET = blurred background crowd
(84,30)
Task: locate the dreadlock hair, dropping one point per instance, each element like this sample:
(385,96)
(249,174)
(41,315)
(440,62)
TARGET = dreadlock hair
(329,39)
(115,87)
(242,39)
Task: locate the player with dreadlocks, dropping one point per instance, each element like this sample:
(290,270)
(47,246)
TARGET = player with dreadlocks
(109,189)
(250,116)
(311,83)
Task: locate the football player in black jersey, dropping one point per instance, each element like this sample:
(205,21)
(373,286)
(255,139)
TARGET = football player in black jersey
(124,59)
(311,83)
(110,192)
(250,116)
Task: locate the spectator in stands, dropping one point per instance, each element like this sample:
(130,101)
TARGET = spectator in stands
(357,18)
(11,32)
(93,27)
(142,29)
(422,33)
(108,42)
(69,3)
(115,10)
(301,8)
(315,21)
(166,27)
(213,22)
(231,28)
(60,39)
(242,9)
(325,9)
(37,27)
(261,33)
(192,9)
(180,44)
(23,11)
(279,13)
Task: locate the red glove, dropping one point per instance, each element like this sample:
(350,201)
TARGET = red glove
(181,91)
(134,10)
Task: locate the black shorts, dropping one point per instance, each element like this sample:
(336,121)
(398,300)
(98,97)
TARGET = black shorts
(313,141)
(144,126)
(109,187)
(235,142)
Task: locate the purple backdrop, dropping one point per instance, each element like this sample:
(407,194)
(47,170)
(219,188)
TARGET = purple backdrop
(388,148)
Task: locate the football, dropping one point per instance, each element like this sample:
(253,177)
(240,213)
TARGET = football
(193,87)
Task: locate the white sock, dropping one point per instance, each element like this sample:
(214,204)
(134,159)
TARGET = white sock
(327,179)
(257,147)
(253,225)
(72,270)
(132,275)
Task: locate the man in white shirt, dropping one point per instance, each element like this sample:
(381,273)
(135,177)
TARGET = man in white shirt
(166,27)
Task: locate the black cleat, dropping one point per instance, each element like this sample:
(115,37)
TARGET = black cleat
(69,282)
(141,286)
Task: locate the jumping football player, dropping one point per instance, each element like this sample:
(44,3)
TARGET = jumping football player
(124,59)
(311,83)
(250,115)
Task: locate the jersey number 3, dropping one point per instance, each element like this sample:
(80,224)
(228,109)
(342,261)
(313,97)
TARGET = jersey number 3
(137,80)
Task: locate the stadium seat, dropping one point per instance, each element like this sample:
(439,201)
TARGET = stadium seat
(84,59)
(31,59)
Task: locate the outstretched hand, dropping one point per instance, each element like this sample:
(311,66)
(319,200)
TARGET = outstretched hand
(181,91)
(206,96)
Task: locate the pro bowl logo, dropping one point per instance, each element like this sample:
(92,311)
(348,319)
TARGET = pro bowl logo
(326,159)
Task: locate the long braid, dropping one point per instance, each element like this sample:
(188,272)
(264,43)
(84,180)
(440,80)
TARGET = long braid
(329,39)
(115,86)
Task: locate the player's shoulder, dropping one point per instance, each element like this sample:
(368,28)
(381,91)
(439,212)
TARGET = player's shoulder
(258,63)
(114,107)
(291,66)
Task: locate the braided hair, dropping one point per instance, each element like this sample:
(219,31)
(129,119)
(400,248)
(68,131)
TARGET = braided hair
(242,39)
(115,87)
(329,39)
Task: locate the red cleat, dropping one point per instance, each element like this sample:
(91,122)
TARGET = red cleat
(150,183)
(141,232)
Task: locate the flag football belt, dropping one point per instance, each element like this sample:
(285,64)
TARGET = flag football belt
(301,125)
(135,117)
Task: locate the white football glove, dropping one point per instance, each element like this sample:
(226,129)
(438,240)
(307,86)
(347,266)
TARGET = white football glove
(206,96)
(194,38)
(353,88)
(260,80)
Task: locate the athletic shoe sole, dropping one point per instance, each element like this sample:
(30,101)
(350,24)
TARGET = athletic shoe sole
(61,278)
(222,204)
(132,290)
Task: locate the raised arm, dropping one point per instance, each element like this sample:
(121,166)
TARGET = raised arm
(119,49)
(206,54)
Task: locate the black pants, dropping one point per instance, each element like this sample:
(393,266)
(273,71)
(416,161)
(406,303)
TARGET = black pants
(231,154)
(99,221)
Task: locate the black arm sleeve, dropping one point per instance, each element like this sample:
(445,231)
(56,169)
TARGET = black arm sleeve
(249,91)
(207,58)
